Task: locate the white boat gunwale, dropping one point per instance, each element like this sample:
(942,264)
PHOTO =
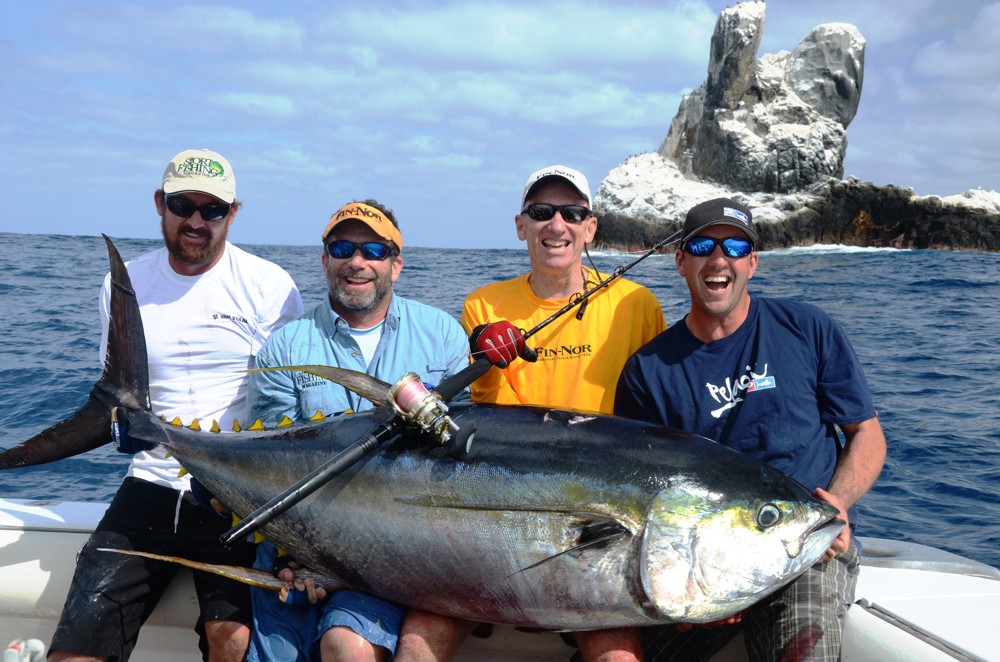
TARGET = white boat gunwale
(891,620)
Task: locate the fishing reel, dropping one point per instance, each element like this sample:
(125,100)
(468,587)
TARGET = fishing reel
(426,409)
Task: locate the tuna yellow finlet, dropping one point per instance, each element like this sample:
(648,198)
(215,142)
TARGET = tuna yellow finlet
(285,422)
(257,426)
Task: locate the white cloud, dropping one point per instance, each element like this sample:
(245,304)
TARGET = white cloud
(257,104)
(191,31)
(969,54)
(523,36)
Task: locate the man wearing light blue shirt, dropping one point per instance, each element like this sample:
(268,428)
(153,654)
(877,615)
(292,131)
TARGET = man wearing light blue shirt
(361,326)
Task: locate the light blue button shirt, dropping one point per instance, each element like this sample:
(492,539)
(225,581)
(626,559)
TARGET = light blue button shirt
(415,338)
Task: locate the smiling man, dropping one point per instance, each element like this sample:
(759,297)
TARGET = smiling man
(579,356)
(207,307)
(775,379)
(362,325)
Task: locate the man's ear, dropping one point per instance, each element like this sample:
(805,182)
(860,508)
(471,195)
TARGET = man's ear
(591,230)
(397,266)
(519,224)
(161,207)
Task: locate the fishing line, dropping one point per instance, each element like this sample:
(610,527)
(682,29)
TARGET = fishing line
(587,293)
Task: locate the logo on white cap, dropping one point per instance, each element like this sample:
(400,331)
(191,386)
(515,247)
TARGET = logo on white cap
(574,177)
(200,170)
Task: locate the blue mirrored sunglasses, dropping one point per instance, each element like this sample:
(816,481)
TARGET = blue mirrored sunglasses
(543,212)
(731,246)
(210,211)
(370,250)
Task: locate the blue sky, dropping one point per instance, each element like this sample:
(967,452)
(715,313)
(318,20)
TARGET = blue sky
(440,110)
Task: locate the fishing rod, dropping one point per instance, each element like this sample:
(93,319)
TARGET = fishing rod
(417,405)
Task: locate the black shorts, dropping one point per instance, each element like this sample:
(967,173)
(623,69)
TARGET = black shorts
(112,595)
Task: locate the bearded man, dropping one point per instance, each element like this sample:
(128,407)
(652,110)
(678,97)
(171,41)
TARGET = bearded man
(364,326)
(207,307)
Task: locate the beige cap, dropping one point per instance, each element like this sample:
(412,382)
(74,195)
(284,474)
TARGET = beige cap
(200,170)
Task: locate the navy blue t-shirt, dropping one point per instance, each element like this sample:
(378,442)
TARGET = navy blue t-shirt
(775,389)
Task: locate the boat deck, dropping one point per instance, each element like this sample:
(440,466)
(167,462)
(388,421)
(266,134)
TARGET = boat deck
(914,602)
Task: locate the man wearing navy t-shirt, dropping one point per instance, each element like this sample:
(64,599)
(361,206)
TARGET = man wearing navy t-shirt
(775,379)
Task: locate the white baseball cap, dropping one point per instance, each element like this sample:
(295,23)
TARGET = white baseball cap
(574,177)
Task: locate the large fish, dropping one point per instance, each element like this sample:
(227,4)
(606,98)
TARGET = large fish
(556,520)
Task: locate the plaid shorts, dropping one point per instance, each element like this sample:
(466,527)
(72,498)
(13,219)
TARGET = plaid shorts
(802,621)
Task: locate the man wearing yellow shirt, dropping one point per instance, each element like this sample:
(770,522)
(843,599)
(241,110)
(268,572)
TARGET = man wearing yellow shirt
(580,356)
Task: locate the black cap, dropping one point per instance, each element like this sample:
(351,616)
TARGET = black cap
(720,211)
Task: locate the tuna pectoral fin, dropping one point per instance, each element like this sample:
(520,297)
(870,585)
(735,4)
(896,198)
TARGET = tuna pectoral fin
(85,430)
(370,388)
(251,576)
(594,532)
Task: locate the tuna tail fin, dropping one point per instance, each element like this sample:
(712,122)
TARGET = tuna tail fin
(125,382)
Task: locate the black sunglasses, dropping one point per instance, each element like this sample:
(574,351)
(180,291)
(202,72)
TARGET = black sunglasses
(731,246)
(543,212)
(370,250)
(210,211)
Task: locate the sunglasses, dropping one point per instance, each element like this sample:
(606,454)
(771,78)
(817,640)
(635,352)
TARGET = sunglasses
(731,246)
(543,212)
(370,250)
(210,211)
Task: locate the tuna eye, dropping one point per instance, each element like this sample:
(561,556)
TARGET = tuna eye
(768,515)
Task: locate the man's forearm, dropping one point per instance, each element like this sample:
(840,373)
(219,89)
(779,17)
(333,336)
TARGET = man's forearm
(861,461)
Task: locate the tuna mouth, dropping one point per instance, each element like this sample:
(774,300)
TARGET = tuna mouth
(832,521)
(825,529)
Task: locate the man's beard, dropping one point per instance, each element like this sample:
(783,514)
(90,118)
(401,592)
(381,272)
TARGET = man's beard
(358,302)
(193,256)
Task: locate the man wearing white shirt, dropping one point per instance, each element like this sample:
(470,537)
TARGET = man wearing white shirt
(207,307)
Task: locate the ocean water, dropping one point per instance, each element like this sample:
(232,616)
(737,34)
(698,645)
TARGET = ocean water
(925,324)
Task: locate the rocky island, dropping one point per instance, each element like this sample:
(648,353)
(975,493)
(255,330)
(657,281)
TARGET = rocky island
(772,134)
